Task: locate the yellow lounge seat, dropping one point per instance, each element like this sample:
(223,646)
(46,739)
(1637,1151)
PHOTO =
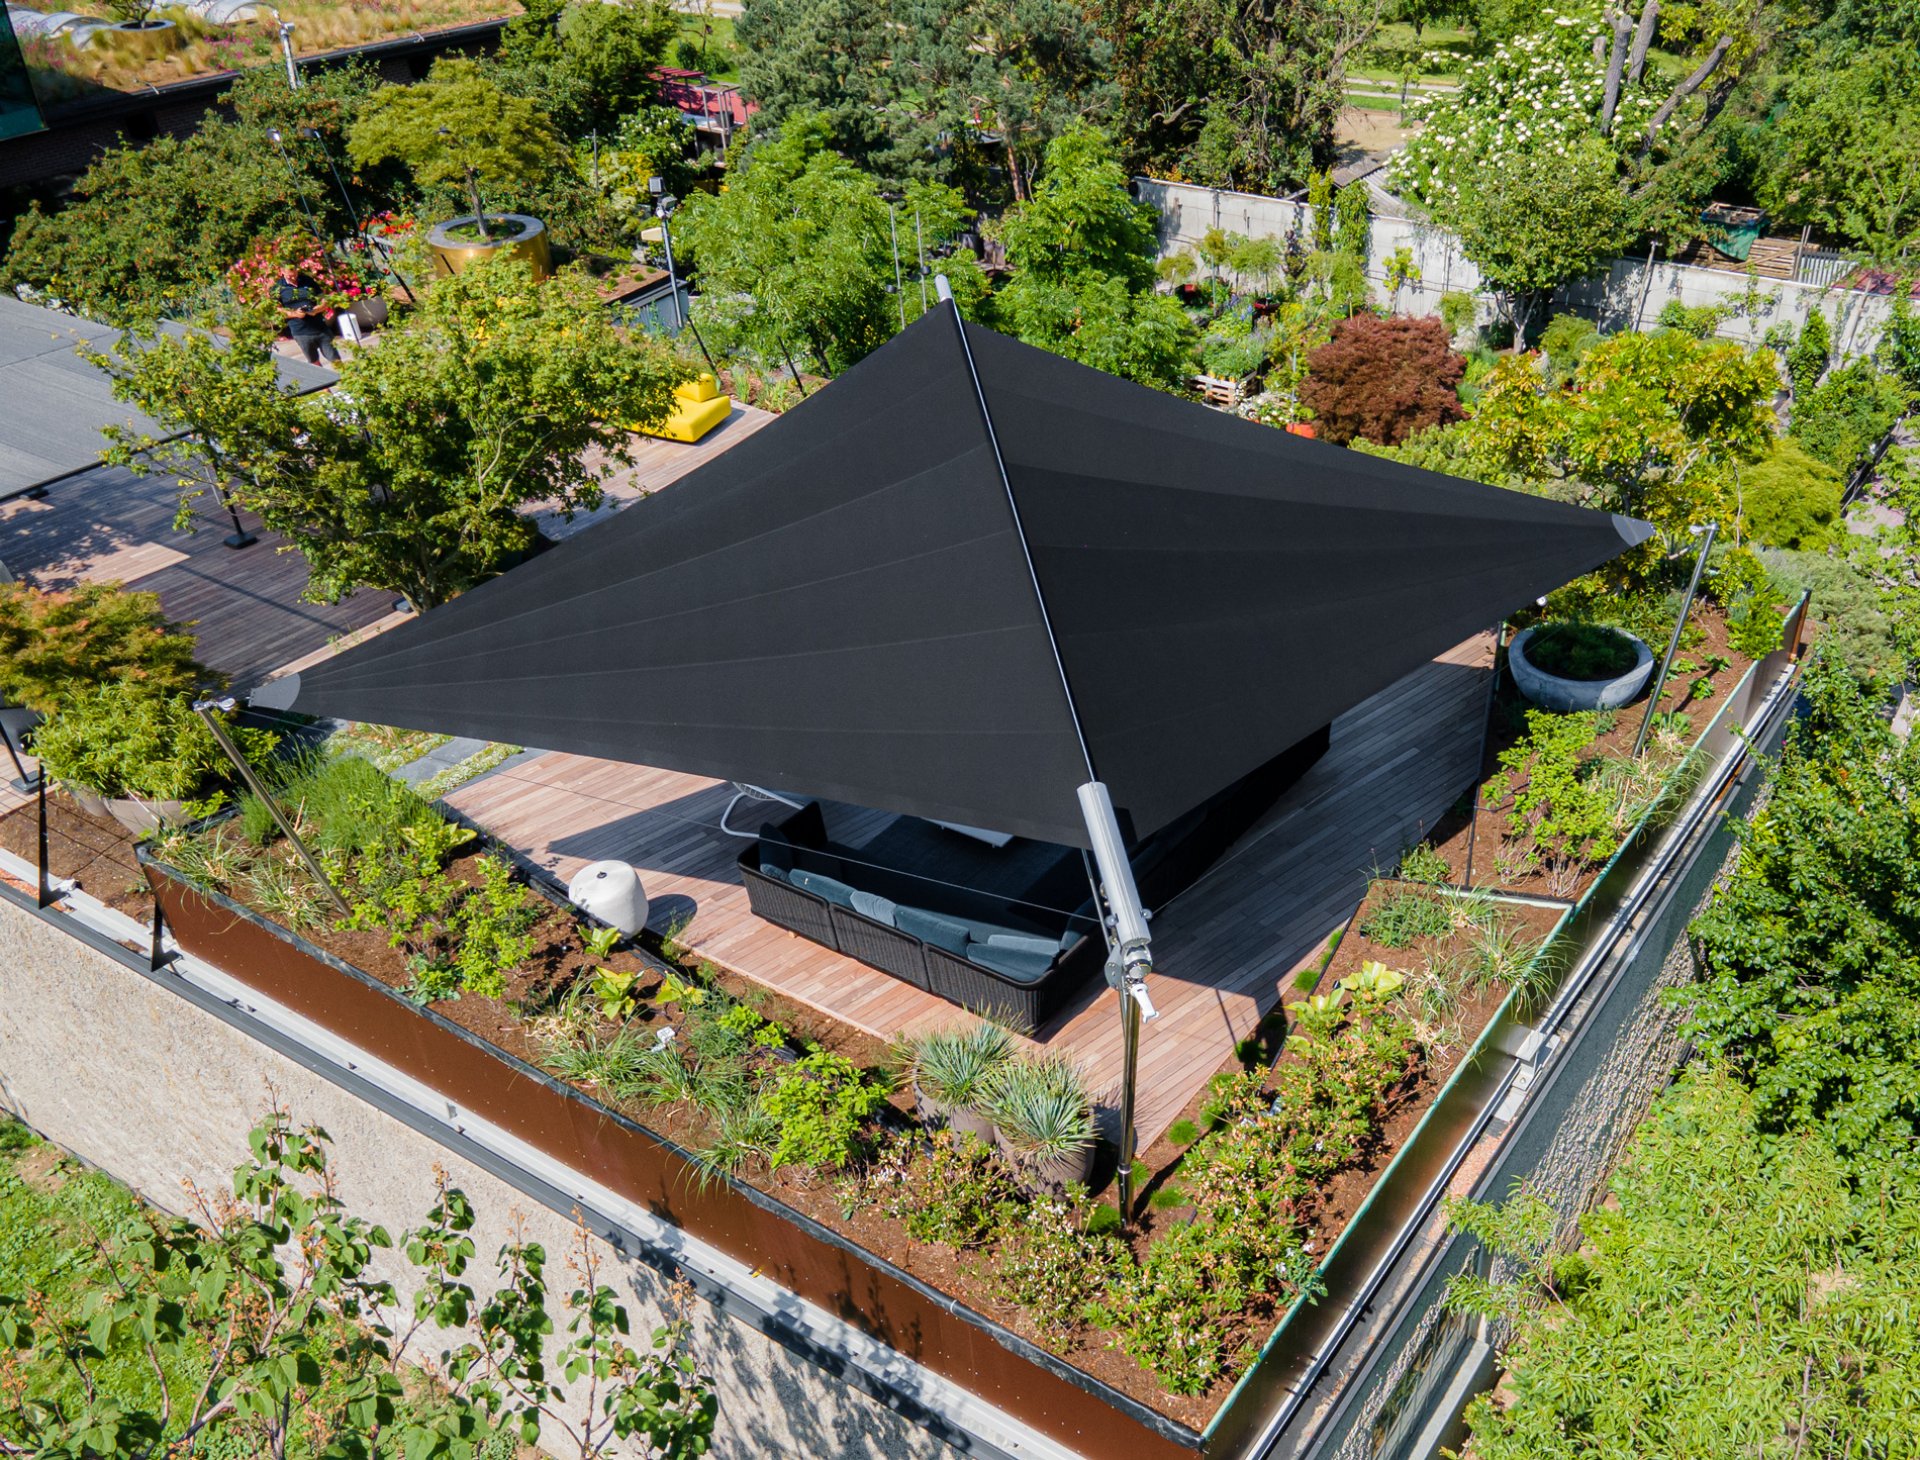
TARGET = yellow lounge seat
(698,407)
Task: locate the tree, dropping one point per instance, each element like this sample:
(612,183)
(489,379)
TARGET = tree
(263,1331)
(588,64)
(1082,250)
(1655,426)
(1383,379)
(1736,1294)
(1537,223)
(455,120)
(411,474)
(151,228)
(1808,358)
(1020,71)
(796,256)
(58,644)
(1844,154)
(800,58)
(1789,498)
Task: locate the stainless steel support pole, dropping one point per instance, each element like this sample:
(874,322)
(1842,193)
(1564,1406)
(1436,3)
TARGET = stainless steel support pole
(1673,644)
(899,292)
(205,710)
(1130,1037)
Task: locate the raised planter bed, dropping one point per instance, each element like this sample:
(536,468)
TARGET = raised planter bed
(655,1172)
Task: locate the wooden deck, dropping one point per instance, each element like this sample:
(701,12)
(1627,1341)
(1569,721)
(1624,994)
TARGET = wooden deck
(1225,948)
(110,526)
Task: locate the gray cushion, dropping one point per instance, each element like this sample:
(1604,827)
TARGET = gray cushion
(869,905)
(821,886)
(1024,943)
(987,932)
(931,927)
(778,874)
(1011,962)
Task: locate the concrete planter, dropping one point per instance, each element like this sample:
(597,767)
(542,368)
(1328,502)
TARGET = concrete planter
(141,817)
(89,802)
(1047,1175)
(962,1118)
(370,313)
(515,235)
(1551,692)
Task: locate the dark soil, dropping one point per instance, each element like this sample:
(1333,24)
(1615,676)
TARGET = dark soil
(96,853)
(1495,855)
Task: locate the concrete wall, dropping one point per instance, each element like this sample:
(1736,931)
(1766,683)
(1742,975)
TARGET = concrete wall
(155,1091)
(1629,296)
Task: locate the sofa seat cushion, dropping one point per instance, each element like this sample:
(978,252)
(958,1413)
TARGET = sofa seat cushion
(778,874)
(820,885)
(932,927)
(1013,963)
(871,905)
(1023,943)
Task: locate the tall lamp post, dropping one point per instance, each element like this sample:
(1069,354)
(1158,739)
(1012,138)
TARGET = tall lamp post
(663,210)
(286,48)
(893,232)
(280,146)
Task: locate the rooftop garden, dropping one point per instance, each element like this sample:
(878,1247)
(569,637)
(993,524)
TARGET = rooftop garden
(186,45)
(967,1157)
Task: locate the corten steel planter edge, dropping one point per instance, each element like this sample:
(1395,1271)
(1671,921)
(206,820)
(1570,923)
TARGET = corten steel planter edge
(819,1264)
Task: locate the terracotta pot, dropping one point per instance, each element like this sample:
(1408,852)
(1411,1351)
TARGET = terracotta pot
(141,817)
(1050,1175)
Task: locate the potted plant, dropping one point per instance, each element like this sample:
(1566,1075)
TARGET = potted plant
(135,19)
(461,242)
(1043,1123)
(139,756)
(1579,666)
(952,1072)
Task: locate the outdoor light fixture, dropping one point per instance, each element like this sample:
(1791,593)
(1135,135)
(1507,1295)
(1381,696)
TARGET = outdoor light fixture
(893,231)
(286,48)
(663,210)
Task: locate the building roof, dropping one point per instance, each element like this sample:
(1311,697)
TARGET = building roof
(968,577)
(57,404)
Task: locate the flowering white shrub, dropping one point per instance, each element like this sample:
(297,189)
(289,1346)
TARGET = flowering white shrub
(1539,93)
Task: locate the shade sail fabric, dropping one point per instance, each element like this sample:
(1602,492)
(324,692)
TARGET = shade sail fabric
(968,577)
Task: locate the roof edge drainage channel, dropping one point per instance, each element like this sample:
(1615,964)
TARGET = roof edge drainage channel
(946,1409)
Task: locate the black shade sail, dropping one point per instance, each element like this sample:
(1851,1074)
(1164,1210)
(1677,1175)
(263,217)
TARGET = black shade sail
(964,579)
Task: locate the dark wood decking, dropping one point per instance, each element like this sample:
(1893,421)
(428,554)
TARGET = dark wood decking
(108,525)
(1225,948)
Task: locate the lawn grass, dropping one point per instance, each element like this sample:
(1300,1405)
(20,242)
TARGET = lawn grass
(719,56)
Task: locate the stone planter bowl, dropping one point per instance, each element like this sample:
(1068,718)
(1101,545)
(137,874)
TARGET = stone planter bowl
(1049,1175)
(88,801)
(961,1118)
(514,234)
(1551,692)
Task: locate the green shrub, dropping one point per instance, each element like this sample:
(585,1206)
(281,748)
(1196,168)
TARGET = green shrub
(1050,1264)
(1405,915)
(951,1188)
(1855,631)
(1041,1108)
(1811,949)
(1790,498)
(124,739)
(1457,312)
(1698,320)
(1560,805)
(1584,651)
(1566,338)
(821,1106)
(1842,418)
(56,645)
(956,1066)
(1741,586)
(1807,356)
